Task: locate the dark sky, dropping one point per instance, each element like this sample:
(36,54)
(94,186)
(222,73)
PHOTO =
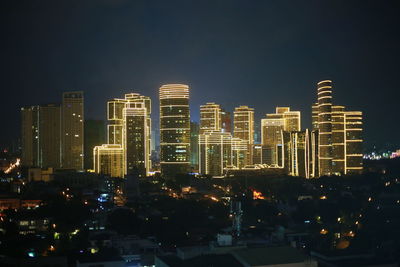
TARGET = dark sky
(257,53)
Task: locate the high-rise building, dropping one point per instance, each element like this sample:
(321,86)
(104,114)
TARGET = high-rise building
(226,123)
(194,145)
(218,150)
(130,127)
(72,130)
(41,136)
(297,153)
(174,129)
(272,128)
(336,139)
(136,139)
(210,117)
(324,89)
(354,142)
(109,160)
(243,122)
(94,136)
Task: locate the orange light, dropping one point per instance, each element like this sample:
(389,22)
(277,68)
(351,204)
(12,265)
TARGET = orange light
(257,195)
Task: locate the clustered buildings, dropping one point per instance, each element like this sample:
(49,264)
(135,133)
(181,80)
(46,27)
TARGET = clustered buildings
(52,136)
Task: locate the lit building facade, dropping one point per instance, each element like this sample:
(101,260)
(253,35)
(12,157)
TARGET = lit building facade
(130,127)
(136,139)
(109,160)
(272,128)
(210,117)
(40,136)
(72,130)
(297,153)
(354,142)
(336,138)
(218,151)
(174,129)
(243,123)
(324,89)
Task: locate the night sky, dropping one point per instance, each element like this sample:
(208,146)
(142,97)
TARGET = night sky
(257,53)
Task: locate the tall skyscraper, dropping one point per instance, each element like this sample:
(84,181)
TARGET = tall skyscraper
(210,117)
(109,160)
(136,139)
(272,128)
(174,129)
(72,130)
(218,150)
(41,136)
(297,153)
(354,142)
(243,122)
(194,145)
(324,89)
(130,127)
(336,138)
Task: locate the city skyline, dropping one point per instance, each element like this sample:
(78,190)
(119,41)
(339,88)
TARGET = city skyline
(276,60)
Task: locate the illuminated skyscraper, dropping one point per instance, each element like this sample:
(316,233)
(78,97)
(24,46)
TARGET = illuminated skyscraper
(210,117)
(215,152)
(243,122)
(72,130)
(41,136)
(218,150)
(297,153)
(354,142)
(338,140)
(324,89)
(272,128)
(174,129)
(109,160)
(136,139)
(130,126)
(337,134)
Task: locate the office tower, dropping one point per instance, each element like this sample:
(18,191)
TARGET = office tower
(257,154)
(136,139)
(337,135)
(338,140)
(130,126)
(215,152)
(41,136)
(354,142)
(174,129)
(115,120)
(324,89)
(29,136)
(210,117)
(194,145)
(72,130)
(297,153)
(94,136)
(243,122)
(314,159)
(272,128)
(239,153)
(109,160)
(226,123)
(314,118)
